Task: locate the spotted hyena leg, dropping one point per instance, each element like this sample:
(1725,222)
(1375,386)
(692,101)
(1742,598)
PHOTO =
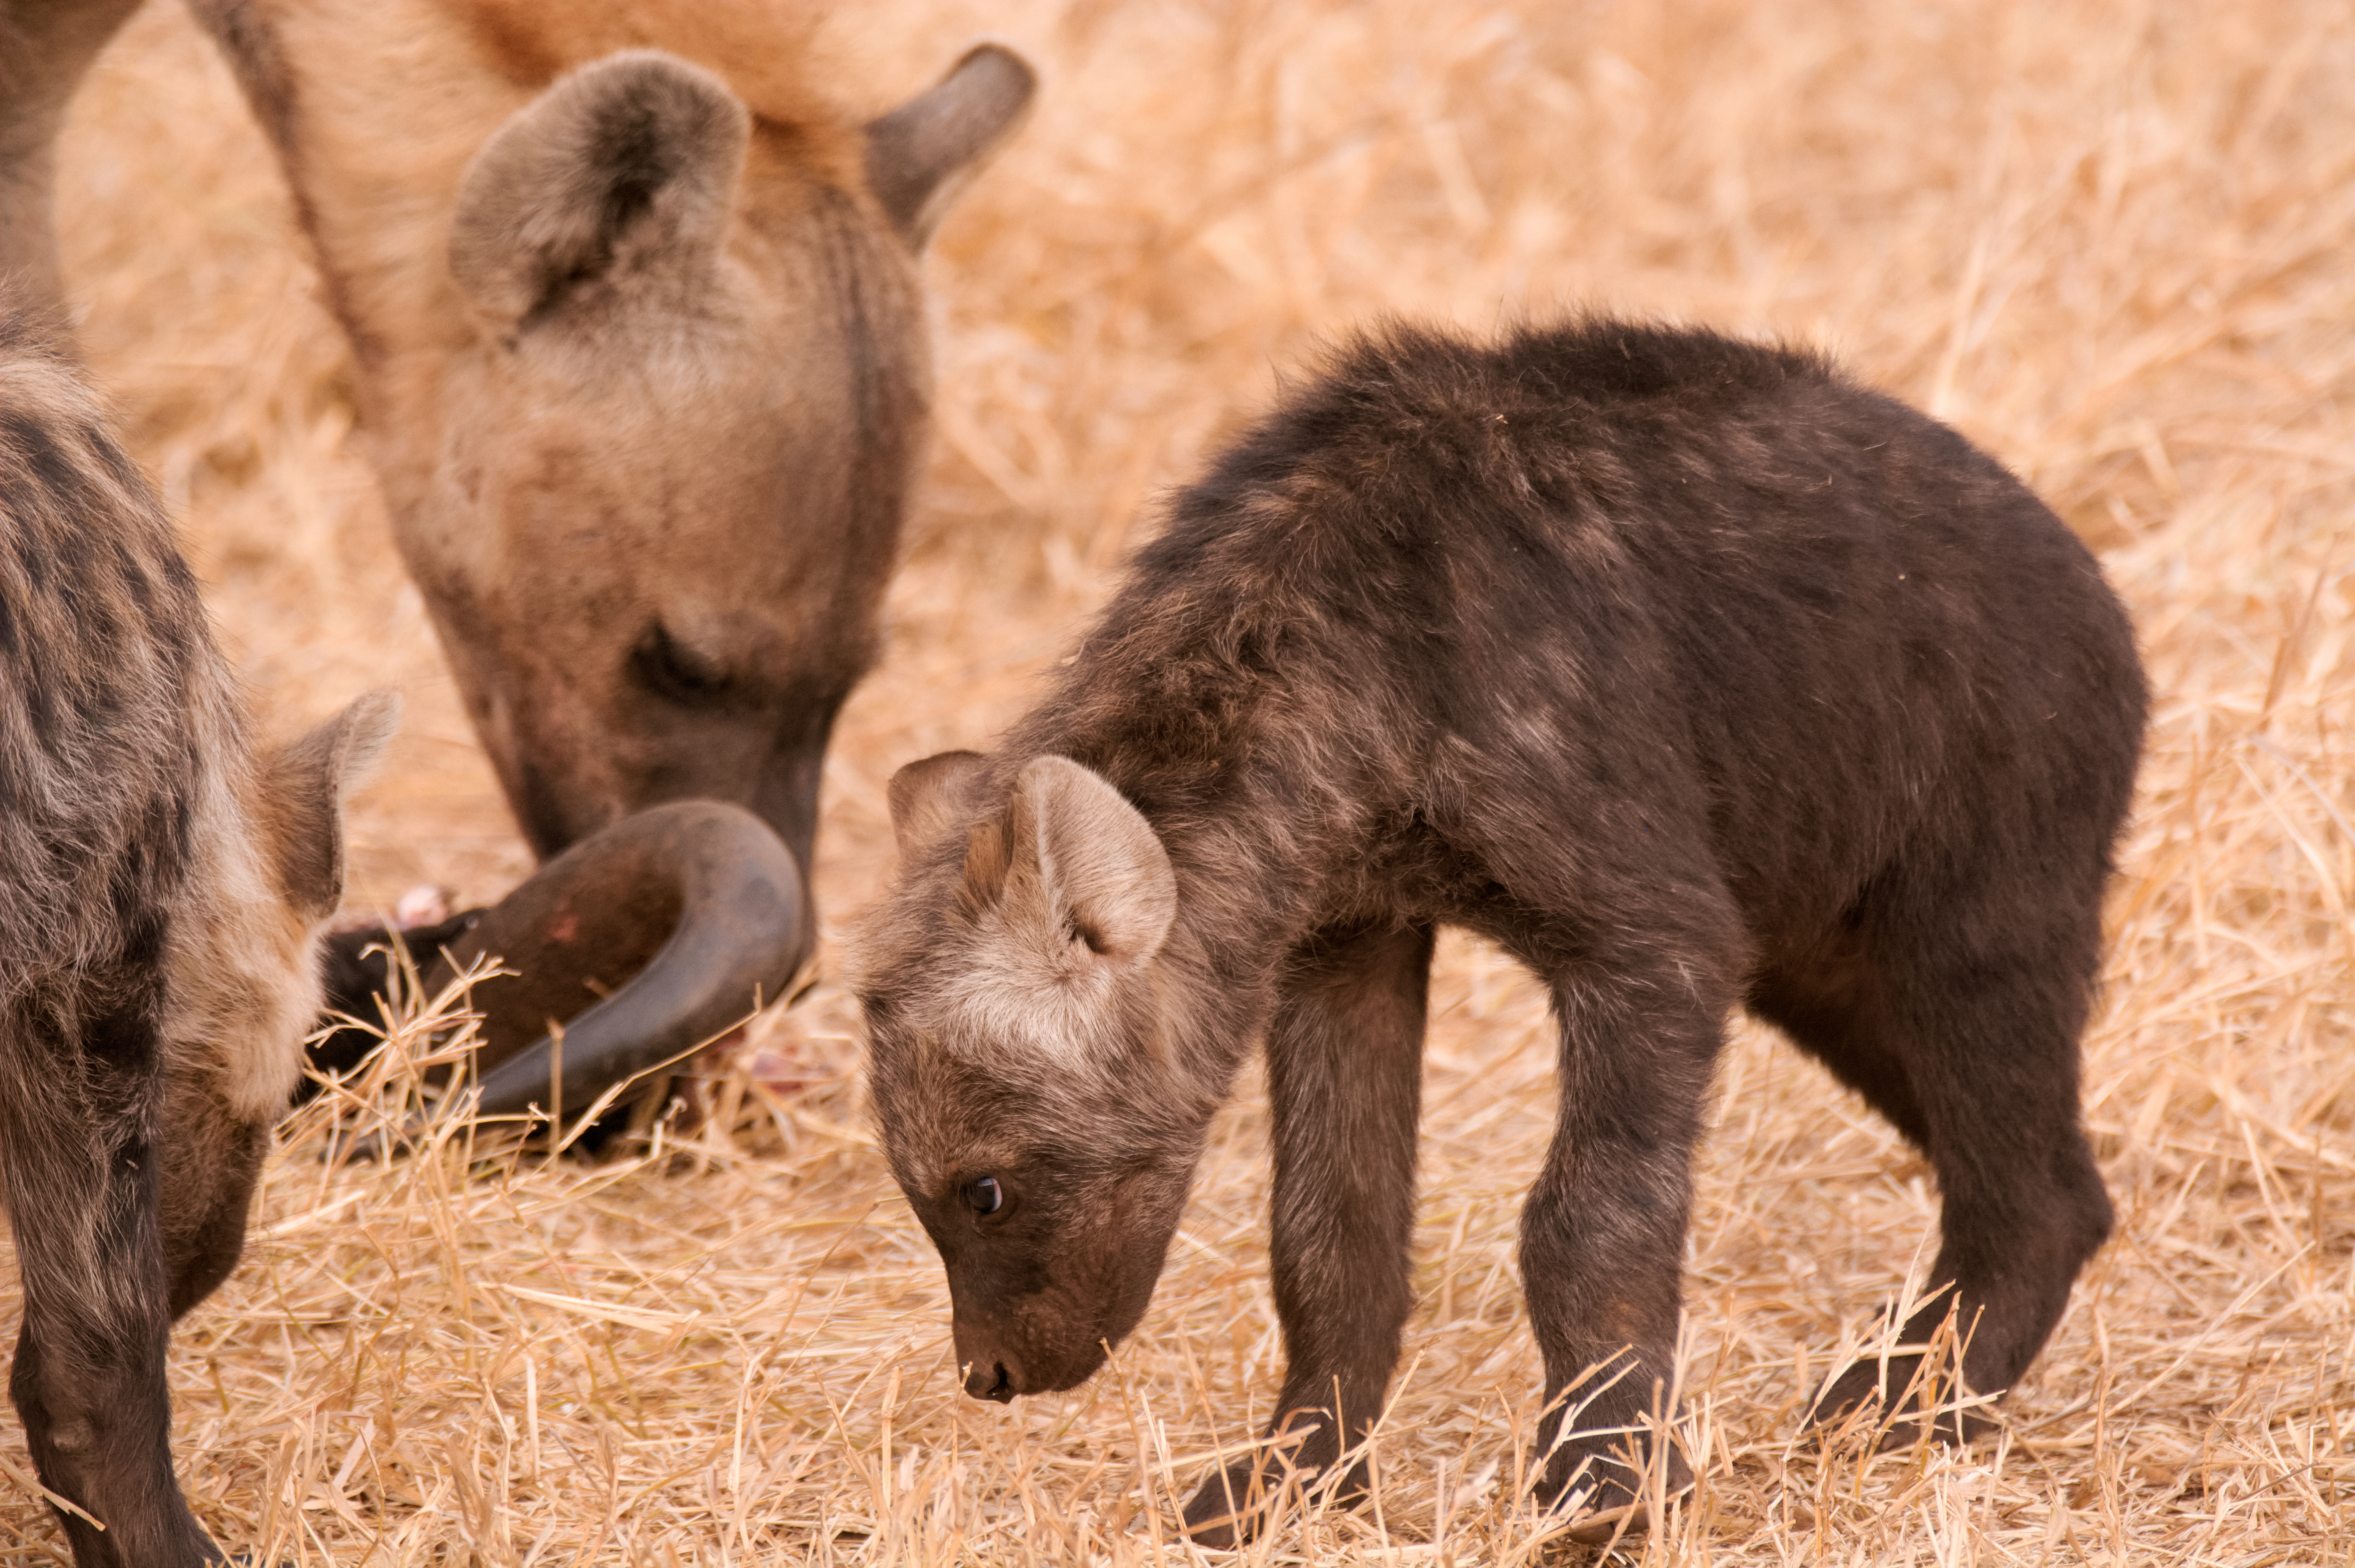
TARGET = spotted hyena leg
(1603,1238)
(1345,1075)
(88,1379)
(1963,1030)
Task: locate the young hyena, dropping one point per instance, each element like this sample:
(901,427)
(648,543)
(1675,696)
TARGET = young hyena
(159,888)
(1693,674)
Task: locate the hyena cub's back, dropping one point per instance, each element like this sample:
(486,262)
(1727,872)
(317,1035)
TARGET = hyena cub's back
(159,884)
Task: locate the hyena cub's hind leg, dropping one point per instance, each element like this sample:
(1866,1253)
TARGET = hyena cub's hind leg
(1969,1044)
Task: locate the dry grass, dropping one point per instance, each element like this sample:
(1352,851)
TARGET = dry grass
(2115,242)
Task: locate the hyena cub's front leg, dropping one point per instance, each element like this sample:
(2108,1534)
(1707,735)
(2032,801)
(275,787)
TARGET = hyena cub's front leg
(88,1379)
(1603,1244)
(1345,1074)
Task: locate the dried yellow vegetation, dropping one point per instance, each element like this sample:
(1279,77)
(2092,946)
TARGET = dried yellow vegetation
(2112,240)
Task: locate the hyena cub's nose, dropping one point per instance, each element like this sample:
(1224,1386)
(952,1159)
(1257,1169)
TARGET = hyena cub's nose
(991,1382)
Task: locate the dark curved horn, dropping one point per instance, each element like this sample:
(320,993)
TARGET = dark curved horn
(682,917)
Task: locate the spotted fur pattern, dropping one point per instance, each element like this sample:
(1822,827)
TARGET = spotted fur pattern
(159,885)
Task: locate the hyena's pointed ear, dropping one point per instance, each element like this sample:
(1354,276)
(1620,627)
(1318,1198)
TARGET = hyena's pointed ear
(928,796)
(303,784)
(1099,864)
(615,183)
(922,155)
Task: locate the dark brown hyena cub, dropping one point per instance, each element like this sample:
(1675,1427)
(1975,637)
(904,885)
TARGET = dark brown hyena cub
(1693,674)
(159,887)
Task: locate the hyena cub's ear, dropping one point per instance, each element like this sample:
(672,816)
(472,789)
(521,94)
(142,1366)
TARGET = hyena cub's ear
(928,796)
(303,784)
(618,179)
(922,155)
(1099,866)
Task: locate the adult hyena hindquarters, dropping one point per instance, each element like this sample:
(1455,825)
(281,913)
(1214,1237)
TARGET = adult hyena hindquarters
(158,891)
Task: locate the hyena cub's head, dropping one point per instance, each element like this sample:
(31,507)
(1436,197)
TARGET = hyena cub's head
(1027,1058)
(269,869)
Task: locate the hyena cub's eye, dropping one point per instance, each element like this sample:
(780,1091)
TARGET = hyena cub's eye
(982,1195)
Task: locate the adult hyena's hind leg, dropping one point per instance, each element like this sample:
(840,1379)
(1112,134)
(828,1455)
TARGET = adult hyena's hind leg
(1955,1012)
(77,1115)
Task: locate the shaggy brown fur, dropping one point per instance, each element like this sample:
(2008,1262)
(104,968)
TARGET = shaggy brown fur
(641,355)
(159,889)
(1691,673)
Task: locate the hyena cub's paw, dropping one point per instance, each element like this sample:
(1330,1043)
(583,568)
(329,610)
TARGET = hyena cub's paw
(1898,1403)
(1235,1505)
(1610,1481)
(1230,1507)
